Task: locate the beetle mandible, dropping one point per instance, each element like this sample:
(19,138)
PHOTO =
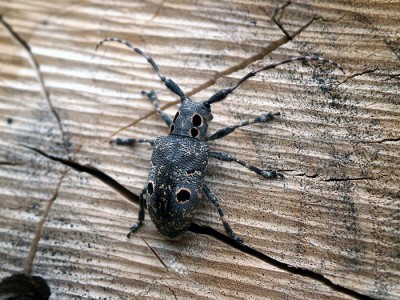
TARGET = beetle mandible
(179,160)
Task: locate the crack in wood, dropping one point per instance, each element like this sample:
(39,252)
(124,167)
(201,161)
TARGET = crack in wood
(35,64)
(11,163)
(392,76)
(358,74)
(155,254)
(308,176)
(207,230)
(277,19)
(39,228)
(340,179)
(382,141)
(352,179)
(131,197)
(157,12)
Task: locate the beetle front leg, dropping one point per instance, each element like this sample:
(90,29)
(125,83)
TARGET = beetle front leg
(153,98)
(227,157)
(141,213)
(214,200)
(130,142)
(227,130)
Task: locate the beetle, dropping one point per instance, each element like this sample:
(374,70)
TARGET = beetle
(179,160)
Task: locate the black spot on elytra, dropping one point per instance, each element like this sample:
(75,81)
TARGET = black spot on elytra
(182,195)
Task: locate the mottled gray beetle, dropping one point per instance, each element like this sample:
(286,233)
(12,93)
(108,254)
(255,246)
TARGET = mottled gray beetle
(179,160)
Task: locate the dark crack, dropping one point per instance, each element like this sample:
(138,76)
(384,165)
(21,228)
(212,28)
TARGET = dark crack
(308,176)
(207,230)
(155,254)
(382,141)
(11,163)
(351,179)
(358,74)
(390,77)
(246,62)
(340,179)
(276,19)
(133,198)
(171,290)
(199,229)
(39,228)
(36,65)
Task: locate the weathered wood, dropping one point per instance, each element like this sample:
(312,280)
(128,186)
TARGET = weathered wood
(337,139)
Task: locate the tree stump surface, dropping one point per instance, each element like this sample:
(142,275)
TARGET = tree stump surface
(334,219)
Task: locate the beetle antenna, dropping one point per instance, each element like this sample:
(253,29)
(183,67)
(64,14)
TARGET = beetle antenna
(171,85)
(220,95)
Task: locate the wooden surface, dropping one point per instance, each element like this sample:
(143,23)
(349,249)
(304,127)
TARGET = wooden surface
(337,140)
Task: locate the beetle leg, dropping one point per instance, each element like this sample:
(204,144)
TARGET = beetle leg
(136,226)
(130,142)
(214,200)
(227,157)
(227,130)
(153,98)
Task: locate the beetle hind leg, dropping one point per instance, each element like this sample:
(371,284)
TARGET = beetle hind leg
(214,200)
(139,223)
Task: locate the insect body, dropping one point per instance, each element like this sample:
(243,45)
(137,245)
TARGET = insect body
(173,192)
(179,160)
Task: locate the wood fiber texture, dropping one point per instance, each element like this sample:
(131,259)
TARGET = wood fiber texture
(337,140)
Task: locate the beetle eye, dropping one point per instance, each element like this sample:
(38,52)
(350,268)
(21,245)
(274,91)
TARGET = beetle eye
(207,105)
(182,195)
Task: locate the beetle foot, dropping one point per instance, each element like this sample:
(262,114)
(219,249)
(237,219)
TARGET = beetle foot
(133,229)
(272,174)
(238,240)
(123,142)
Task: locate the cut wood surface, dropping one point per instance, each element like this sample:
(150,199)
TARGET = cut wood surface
(334,219)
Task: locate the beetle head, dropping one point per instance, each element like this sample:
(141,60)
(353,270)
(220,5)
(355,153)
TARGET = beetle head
(192,119)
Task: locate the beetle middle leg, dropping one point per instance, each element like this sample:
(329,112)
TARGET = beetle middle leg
(167,120)
(228,130)
(141,213)
(214,200)
(227,157)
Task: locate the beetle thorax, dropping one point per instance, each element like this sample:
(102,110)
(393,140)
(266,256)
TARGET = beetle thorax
(191,120)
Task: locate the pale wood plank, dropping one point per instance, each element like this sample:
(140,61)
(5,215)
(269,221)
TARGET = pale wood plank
(336,214)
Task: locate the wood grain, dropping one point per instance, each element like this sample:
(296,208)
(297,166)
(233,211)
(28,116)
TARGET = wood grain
(337,140)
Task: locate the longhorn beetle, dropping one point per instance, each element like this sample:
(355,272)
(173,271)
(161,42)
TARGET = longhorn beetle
(179,160)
